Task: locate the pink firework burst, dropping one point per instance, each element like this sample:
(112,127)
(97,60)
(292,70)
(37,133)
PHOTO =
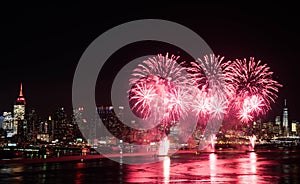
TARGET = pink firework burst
(209,74)
(218,106)
(159,86)
(209,77)
(141,95)
(251,106)
(162,67)
(253,85)
(179,102)
(201,104)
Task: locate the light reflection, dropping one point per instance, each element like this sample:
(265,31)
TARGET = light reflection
(18,169)
(79,174)
(166,168)
(212,166)
(148,173)
(253,162)
(121,172)
(248,169)
(44,169)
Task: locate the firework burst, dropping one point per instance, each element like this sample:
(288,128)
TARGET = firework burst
(210,88)
(208,76)
(159,86)
(253,85)
(162,67)
(179,102)
(201,103)
(141,95)
(218,106)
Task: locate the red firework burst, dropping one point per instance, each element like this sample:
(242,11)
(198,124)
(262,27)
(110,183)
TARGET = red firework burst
(253,86)
(159,87)
(209,77)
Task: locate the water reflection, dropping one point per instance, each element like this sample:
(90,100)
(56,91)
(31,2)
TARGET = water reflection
(167,163)
(248,169)
(14,172)
(79,173)
(121,169)
(213,166)
(228,167)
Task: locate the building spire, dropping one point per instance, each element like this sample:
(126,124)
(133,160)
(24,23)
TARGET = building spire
(21,90)
(21,99)
(284,102)
(285,120)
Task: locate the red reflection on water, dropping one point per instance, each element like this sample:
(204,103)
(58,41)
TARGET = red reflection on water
(79,174)
(79,165)
(253,162)
(149,173)
(213,166)
(248,169)
(166,167)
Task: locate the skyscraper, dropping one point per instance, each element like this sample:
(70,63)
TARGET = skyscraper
(285,122)
(19,112)
(277,120)
(278,124)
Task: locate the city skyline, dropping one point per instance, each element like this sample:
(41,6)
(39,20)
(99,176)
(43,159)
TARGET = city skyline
(50,46)
(163,110)
(284,118)
(25,124)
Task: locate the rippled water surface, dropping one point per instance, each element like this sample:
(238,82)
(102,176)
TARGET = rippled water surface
(220,167)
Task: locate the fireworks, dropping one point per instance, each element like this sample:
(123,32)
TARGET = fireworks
(208,76)
(179,102)
(141,95)
(201,103)
(162,67)
(160,88)
(253,86)
(210,87)
(251,105)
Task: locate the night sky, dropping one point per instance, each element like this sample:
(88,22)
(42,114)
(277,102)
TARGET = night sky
(41,46)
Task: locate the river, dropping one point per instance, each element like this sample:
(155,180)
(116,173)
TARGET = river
(220,167)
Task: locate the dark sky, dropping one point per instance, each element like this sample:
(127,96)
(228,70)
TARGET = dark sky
(41,46)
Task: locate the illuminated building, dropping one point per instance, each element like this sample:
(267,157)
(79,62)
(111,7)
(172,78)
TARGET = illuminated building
(80,122)
(87,127)
(60,119)
(277,120)
(33,123)
(294,127)
(61,126)
(113,124)
(121,113)
(285,122)
(7,123)
(278,123)
(19,126)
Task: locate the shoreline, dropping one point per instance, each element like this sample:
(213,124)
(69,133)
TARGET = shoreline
(81,158)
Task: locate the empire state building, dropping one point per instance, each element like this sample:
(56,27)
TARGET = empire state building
(19,111)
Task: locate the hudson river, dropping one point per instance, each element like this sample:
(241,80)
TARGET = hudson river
(219,167)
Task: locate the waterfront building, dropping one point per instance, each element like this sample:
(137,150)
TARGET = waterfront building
(294,127)
(285,121)
(33,123)
(20,125)
(278,124)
